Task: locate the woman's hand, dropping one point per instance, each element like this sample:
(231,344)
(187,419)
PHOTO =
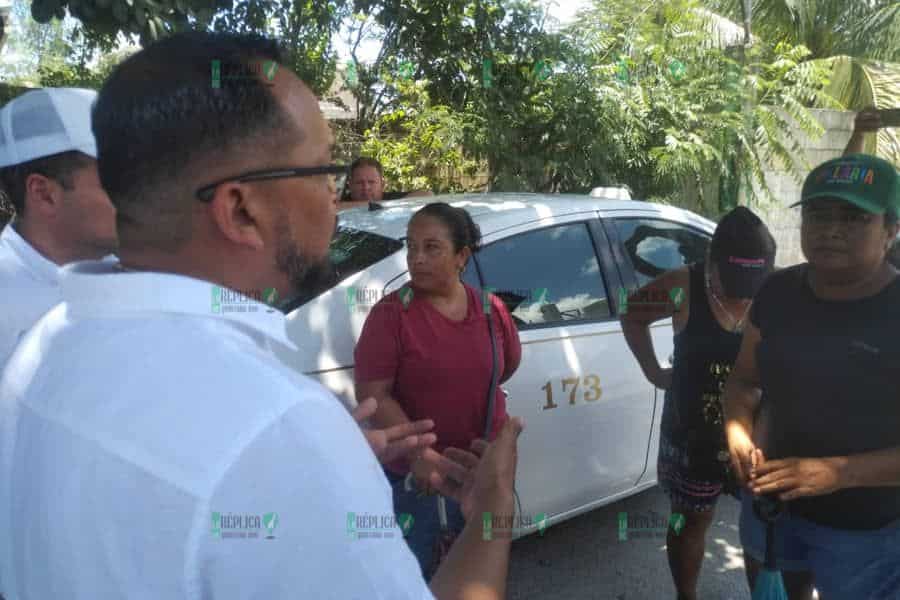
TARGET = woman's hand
(449,474)
(792,478)
(744,454)
(493,475)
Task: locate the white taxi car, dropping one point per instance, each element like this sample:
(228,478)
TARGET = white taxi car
(561,263)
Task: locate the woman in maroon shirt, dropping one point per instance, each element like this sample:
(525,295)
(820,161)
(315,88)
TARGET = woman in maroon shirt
(425,353)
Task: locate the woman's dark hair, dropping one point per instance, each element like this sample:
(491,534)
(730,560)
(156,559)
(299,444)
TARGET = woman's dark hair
(464,233)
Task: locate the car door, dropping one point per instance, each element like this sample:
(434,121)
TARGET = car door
(645,247)
(587,408)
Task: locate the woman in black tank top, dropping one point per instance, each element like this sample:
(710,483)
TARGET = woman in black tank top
(709,302)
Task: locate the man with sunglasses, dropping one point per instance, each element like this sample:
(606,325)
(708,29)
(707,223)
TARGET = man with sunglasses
(152,445)
(822,356)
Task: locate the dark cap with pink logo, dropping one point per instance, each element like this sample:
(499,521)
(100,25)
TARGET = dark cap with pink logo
(744,251)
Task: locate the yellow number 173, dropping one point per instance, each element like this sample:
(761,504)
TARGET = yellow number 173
(591,382)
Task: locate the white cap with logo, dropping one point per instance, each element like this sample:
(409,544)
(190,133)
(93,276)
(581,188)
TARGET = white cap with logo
(44,122)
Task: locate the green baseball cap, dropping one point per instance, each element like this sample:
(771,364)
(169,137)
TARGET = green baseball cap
(866,181)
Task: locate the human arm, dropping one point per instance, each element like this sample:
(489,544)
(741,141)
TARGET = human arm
(377,358)
(509,334)
(741,402)
(647,305)
(867,120)
(314,469)
(792,478)
(475,568)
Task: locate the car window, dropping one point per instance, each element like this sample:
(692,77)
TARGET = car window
(656,246)
(351,251)
(545,276)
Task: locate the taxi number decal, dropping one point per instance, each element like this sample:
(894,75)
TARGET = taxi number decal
(592,389)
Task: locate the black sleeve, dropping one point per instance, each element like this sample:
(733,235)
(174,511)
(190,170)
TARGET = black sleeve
(760,301)
(768,296)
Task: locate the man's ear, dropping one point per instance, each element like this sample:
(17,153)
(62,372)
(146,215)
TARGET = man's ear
(42,194)
(237,214)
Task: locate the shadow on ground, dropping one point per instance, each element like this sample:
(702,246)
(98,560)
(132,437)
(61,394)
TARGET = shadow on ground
(583,558)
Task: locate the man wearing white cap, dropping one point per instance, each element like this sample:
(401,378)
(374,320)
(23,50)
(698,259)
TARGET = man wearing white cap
(48,167)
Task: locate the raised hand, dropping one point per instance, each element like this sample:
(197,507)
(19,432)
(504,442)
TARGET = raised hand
(394,442)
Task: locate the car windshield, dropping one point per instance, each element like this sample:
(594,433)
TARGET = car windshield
(352,250)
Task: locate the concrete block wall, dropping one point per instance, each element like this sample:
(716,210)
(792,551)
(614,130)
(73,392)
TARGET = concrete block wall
(784,222)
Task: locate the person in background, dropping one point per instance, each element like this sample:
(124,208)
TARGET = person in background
(821,355)
(142,423)
(425,353)
(365,185)
(48,169)
(708,304)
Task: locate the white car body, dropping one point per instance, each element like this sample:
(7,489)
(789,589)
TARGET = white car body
(592,419)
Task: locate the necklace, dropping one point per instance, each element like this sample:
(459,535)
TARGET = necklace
(736,324)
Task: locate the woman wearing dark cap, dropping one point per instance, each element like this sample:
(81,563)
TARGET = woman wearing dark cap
(821,355)
(708,303)
(425,352)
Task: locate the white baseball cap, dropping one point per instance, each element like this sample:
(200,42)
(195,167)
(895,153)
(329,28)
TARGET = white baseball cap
(44,122)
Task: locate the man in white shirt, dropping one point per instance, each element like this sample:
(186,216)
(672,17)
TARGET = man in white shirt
(152,445)
(48,168)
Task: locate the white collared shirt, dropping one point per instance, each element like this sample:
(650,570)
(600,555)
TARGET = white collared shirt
(145,425)
(29,287)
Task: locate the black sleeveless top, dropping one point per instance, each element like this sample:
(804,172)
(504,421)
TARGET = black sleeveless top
(830,377)
(704,355)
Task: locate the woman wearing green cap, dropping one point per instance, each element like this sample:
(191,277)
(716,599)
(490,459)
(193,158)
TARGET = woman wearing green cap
(708,304)
(821,355)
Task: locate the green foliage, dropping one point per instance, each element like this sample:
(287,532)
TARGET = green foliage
(56,54)
(868,29)
(446,43)
(638,92)
(709,117)
(851,43)
(305,28)
(635,93)
(420,145)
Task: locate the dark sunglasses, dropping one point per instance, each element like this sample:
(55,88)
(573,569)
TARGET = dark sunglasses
(205,193)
